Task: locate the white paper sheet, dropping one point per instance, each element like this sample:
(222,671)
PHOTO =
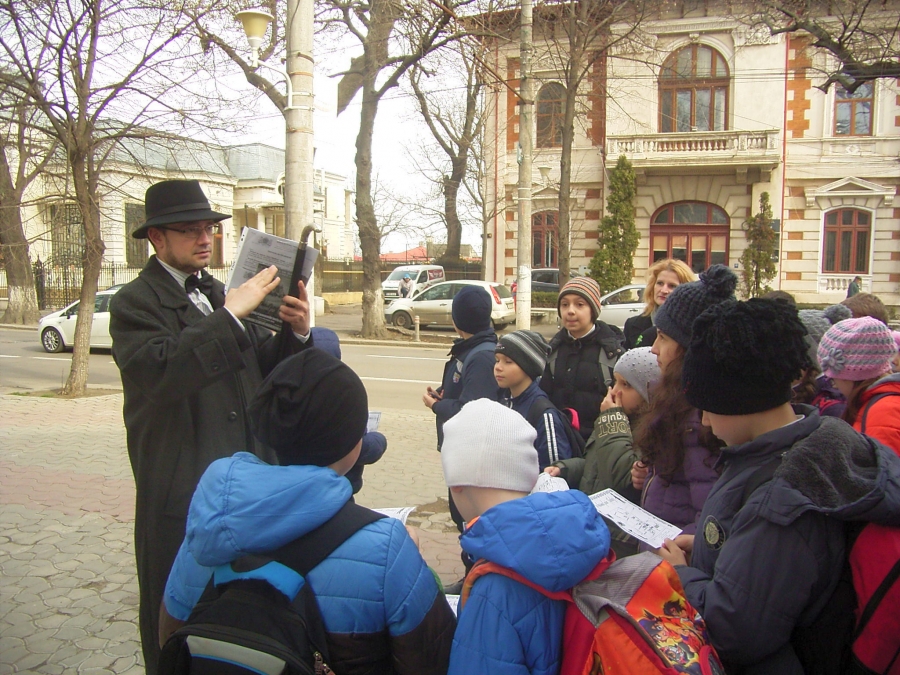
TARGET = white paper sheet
(633,519)
(374,421)
(548,483)
(400,513)
(453,601)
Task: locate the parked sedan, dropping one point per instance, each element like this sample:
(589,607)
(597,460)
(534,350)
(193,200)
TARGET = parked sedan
(57,330)
(433,305)
(622,304)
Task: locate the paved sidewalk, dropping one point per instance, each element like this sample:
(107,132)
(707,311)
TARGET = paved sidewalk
(68,592)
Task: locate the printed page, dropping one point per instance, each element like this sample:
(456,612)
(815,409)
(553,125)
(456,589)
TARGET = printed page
(257,251)
(453,601)
(633,519)
(400,513)
(374,421)
(548,483)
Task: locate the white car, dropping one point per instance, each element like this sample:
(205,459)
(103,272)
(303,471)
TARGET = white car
(57,330)
(621,304)
(433,305)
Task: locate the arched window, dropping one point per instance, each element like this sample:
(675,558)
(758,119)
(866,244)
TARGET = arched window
(848,235)
(551,100)
(693,91)
(693,232)
(544,239)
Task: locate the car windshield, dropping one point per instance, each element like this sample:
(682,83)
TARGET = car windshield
(397,275)
(503,291)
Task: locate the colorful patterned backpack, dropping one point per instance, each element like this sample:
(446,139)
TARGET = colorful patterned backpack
(628,617)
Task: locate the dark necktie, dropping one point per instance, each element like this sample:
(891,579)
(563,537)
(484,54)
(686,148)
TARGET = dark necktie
(205,284)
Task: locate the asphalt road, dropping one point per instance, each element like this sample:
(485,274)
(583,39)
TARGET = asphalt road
(395,376)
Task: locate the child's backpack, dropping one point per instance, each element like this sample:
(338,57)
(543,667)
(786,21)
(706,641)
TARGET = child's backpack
(859,630)
(610,351)
(258,615)
(543,404)
(628,617)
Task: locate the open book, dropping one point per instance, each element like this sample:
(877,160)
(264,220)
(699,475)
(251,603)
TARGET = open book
(258,250)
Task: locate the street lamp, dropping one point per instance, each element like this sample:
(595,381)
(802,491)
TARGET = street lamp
(255,24)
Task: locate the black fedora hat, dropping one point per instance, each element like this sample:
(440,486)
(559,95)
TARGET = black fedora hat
(175,201)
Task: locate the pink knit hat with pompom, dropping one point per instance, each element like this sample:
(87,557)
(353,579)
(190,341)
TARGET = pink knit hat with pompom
(857,349)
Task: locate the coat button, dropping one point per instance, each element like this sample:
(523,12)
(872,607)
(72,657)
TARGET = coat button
(232,416)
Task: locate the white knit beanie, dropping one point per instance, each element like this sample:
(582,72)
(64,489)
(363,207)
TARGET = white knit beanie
(488,445)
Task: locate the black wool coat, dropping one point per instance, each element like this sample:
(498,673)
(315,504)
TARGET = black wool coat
(187,380)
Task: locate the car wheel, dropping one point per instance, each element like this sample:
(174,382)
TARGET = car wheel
(402,320)
(500,326)
(52,341)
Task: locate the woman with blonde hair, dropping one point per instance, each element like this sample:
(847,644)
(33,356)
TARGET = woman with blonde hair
(663,277)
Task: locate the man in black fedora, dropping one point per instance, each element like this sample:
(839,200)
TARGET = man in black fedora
(189,365)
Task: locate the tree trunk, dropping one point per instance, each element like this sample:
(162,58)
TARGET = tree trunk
(451,212)
(22,306)
(565,168)
(369,236)
(86,195)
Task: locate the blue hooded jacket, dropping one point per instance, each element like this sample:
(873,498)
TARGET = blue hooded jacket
(379,601)
(552,539)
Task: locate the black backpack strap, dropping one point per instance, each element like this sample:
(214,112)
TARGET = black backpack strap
(537,410)
(872,401)
(760,477)
(305,553)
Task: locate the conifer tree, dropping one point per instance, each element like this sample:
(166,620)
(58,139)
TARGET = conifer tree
(617,240)
(758,259)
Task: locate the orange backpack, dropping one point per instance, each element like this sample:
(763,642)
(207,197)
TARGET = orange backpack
(628,617)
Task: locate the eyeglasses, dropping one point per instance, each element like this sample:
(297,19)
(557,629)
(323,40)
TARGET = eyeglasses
(195,231)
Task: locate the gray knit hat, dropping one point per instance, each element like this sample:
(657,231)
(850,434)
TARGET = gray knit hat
(676,317)
(489,445)
(527,349)
(817,322)
(640,369)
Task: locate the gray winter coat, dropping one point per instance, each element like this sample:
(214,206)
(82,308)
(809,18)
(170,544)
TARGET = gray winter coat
(759,571)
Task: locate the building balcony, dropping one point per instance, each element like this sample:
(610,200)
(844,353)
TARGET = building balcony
(711,151)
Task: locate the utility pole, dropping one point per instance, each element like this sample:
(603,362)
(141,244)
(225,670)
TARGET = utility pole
(526,144)
(298,118)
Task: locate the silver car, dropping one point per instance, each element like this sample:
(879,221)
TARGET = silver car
(433,305)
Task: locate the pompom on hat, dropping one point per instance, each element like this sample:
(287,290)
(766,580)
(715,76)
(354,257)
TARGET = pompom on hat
(489,445)
(640,369)
(586,288)
(676,317)
(527,349)
(311,409)
(743,357)
(857,349)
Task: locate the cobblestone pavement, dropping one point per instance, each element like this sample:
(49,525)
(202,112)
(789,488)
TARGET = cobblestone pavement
(68,592)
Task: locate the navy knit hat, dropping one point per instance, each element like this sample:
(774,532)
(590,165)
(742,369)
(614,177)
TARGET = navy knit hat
(311,409)
(472,309)
(526,349)
(743,356)
(676,317)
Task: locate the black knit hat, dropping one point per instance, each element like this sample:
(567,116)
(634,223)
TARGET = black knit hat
(743,357)
(471,309)
(527,349)
(676,316)
(311,409)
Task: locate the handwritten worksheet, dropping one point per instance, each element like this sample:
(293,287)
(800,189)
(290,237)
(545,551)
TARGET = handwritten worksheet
(633,519)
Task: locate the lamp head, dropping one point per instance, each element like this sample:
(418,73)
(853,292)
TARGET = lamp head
(255,24)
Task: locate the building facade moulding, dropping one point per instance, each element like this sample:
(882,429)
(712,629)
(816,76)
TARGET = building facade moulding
(875,194)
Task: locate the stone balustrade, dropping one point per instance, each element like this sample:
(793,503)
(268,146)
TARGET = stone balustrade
(745,145)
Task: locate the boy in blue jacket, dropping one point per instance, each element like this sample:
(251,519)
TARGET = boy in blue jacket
(554,540)
(379,602)
(764,566)
(520,358)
